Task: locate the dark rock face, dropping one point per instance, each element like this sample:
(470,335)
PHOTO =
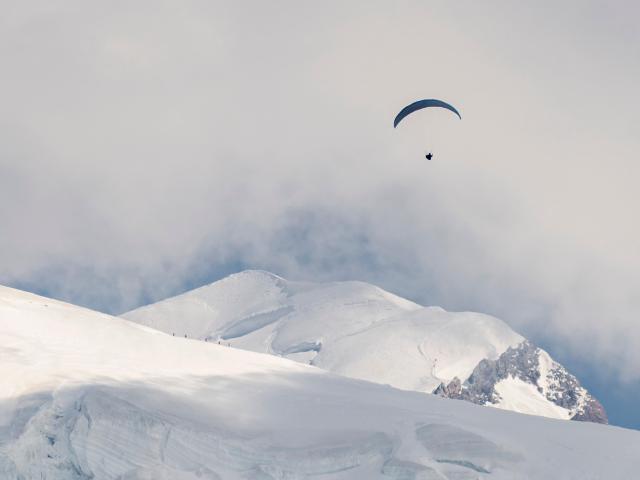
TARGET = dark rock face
(453,390)
(524,362)
(592,412)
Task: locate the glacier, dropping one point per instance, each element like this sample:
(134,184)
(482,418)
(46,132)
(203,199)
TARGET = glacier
(361,331)
(89,396)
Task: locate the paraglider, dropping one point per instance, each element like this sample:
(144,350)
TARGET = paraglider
(419,105)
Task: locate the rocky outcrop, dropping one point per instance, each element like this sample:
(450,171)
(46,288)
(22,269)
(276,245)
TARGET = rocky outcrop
(532,365)
(452,390)
(593,411)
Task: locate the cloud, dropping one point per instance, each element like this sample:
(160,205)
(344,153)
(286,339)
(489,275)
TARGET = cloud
(147,147)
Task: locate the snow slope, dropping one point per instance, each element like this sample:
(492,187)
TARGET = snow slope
(85,395)
(360,331)
(351,328)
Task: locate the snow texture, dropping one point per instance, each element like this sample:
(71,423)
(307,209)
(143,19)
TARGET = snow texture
(361,331)
(89,396)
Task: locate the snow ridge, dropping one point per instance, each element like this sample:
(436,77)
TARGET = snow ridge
(89,396)
(361,331)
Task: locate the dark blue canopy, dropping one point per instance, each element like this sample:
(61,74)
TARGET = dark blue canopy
(420,104)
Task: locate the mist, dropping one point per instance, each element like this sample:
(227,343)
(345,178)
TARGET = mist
(148,148)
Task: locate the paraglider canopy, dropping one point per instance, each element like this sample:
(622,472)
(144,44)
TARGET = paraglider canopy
(419,105)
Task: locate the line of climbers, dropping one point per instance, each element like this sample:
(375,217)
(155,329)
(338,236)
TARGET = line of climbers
(206,339)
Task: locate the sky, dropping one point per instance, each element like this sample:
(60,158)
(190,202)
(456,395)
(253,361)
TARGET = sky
(151,147)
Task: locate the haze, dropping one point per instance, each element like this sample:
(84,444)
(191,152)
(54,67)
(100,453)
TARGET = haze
(149,148)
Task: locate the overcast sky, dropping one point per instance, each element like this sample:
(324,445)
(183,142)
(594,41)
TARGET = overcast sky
(149,147)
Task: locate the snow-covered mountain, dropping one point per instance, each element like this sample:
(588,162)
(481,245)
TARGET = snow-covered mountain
(88,396)
(526,379)
(361,331)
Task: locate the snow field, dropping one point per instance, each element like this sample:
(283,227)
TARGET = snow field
(86,395)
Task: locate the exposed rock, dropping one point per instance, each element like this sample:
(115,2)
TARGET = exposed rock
(593,411)
(452,390)
(527,363)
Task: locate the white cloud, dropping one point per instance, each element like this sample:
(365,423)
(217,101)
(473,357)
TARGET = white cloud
(142,145)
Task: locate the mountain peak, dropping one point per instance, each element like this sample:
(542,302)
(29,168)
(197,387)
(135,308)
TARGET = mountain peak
(362,331)
(253,274)
(87,395)
(555,392)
